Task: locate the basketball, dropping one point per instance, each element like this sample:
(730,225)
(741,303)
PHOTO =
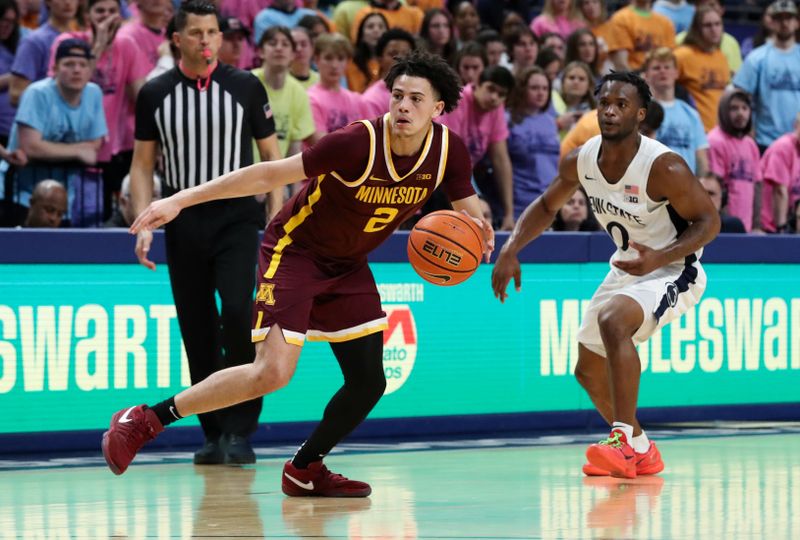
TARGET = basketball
(445,247)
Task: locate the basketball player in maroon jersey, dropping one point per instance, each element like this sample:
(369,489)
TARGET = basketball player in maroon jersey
(313,279)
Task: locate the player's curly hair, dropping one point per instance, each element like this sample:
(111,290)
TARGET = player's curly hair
(432,67)
(632,78)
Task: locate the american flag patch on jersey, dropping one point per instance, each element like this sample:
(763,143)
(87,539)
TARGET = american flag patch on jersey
(631,194)
(267,111)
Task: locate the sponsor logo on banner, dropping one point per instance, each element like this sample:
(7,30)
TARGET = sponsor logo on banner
(399,345)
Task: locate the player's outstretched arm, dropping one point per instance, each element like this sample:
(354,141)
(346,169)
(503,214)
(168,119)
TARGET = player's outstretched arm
(259,178)
(672,180)
(535,219)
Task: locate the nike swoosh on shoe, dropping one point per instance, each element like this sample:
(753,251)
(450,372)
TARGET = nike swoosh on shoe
(305,485)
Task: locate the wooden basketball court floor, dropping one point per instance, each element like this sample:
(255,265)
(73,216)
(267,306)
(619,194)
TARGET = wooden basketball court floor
(717,485)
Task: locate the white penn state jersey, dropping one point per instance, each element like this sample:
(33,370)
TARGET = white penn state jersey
(623,208)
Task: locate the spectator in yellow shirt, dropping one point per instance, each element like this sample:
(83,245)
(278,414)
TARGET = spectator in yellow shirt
(729,44)
(409,18)
(638,30)
(702,67)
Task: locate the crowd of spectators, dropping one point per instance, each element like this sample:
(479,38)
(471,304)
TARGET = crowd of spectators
(71,70)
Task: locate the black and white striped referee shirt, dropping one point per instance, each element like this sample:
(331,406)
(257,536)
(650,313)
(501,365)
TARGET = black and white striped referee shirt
(203,134)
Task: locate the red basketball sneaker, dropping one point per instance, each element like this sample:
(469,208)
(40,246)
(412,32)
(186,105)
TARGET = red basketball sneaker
(646,464)
(650,462)
(591,470)
(318,481)
(614,455)
(130,429)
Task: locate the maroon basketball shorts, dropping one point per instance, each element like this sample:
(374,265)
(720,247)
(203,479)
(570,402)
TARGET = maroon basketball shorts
(310,301)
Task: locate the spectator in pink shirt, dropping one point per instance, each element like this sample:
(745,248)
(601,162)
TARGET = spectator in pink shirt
(780,168)
(148,31)
(558,16)
(392,45)
(332,106)
(733,155)
(480,120)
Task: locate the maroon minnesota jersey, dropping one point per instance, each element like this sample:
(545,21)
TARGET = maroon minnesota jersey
(360,192)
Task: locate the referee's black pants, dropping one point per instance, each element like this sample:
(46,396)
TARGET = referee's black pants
(212,248)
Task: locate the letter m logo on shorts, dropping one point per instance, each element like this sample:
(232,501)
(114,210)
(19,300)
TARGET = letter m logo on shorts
(265,295)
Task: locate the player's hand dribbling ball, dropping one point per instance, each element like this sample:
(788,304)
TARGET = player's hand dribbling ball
(445,247)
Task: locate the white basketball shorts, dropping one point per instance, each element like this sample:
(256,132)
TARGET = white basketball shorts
(664,295)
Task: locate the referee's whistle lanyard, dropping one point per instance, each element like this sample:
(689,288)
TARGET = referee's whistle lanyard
(203,82)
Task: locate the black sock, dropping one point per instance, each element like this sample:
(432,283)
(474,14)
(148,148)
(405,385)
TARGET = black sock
(166,411)
(304,456)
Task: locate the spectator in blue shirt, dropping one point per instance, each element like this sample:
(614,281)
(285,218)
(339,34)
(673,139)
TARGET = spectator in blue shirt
(682,130)
(771,74)
(280,13)
(680,12)
(60,126)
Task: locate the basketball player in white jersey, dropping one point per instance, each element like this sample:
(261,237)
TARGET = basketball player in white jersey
(660,217)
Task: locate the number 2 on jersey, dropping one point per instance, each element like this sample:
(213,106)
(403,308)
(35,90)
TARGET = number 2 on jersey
(381,219)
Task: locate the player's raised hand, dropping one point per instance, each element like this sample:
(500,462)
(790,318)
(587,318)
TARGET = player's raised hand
(649,259)
(506,267)
(157,214)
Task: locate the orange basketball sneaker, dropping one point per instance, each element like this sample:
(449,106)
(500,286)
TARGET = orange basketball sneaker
(614,455)
(646,464)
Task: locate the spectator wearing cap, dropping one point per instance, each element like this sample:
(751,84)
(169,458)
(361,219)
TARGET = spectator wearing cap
(236,49)
(280,13)
(60,126)
(33,53)
(771,75)
(120,69)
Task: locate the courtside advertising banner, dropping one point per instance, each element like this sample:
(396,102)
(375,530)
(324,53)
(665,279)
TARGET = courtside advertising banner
(80,341)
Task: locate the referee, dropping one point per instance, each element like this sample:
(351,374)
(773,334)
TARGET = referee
(202,116)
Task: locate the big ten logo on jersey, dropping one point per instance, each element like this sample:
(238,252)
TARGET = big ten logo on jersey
(399,345)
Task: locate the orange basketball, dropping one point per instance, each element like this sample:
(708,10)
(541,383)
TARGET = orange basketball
(445,247)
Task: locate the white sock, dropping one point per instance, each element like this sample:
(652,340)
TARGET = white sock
(627,429)
(640,443)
